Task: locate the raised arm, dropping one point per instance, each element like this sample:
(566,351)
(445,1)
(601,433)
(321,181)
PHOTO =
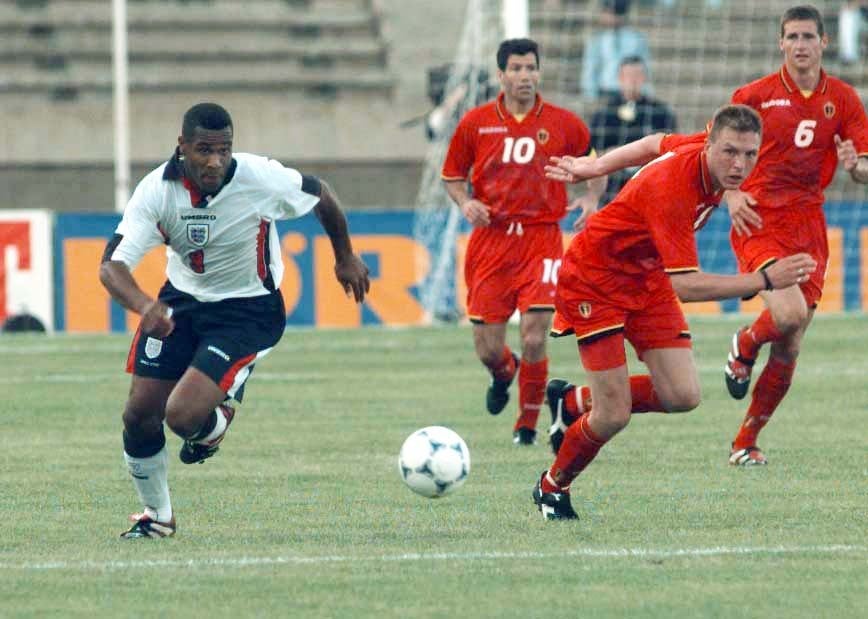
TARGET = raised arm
(350,271)
(576,169)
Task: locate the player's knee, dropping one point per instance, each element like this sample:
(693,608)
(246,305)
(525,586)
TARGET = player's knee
(786,351)
(610,413)
(533,345)
(791,319)
(679,396)
(141,421)
(181,421)
(490,358)
(609,421)
(685,398)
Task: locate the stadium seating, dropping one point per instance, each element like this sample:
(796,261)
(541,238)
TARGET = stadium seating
(322,84)
(63,49)
(306,80)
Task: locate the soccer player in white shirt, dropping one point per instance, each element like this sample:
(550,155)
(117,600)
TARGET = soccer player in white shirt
(220,310)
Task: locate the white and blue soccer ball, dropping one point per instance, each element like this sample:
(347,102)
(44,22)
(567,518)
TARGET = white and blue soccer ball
(434,461)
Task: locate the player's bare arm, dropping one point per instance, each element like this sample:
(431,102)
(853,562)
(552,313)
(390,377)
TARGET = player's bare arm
(473,210)
(699,286)
(576,169)
(851,161)
(741,211)
(350,271)
(117,279)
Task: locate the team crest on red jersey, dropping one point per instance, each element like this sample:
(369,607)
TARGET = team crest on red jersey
(585,309)
(542,136)
(829,109)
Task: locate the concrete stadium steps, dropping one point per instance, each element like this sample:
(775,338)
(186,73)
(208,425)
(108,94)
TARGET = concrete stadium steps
(167,45)
(98,12)
(164,77)
(63,48)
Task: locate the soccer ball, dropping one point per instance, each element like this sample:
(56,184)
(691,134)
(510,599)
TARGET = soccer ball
(434,461)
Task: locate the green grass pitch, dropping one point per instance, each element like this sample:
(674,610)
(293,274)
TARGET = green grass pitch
(303,514)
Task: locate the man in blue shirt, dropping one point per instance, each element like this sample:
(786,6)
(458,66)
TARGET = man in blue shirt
(607,47)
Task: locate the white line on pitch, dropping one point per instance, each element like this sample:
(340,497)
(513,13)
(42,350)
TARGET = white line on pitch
(601,553)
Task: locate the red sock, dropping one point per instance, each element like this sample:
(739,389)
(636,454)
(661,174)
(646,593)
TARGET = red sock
(644,397)
(761,331)
(572,397)
(505,368)
(770,389)
(579,448)
(531,392)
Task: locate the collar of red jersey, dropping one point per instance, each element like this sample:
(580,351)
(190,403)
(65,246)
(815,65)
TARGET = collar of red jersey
(790,85)
(502,112)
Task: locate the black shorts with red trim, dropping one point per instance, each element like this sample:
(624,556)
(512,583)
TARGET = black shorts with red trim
(223,339)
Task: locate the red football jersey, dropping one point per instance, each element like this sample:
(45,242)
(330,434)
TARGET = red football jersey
(650,224)
(507,158)
(673,141)
(798,157)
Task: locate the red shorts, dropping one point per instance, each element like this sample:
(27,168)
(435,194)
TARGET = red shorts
(509,268)
(652,319)
(786,232)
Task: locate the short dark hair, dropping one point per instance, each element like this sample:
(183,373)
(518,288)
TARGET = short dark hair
(632,60)
(208,116)
(804,12)
(739,118)
(519,47)
(618,7)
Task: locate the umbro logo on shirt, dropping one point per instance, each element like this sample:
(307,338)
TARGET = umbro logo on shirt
(208,217)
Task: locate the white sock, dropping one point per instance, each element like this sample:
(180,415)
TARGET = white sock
(219,427)
(151,479)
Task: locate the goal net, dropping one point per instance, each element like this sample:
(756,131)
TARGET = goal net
(438,221)
(698,53)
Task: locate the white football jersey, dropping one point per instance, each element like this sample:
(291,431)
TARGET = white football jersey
(227,245)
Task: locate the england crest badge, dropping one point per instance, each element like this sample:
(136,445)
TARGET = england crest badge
(198,234)
(153,348)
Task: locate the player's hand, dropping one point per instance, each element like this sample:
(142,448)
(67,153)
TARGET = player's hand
(476,213)
(352,274)
(795,269)
(588,204)
(571,169)
(741,212)
(157,320)
(847,154)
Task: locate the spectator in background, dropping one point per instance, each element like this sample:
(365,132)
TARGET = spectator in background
(627,116)
(850,19)
(607,47)
(670,4)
